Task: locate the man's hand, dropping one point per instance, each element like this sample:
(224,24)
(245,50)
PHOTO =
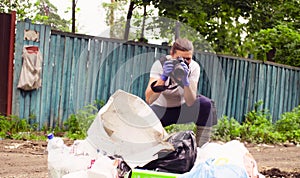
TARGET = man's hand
(185,79)
(167,69)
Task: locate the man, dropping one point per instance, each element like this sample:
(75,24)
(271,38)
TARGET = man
(174,98)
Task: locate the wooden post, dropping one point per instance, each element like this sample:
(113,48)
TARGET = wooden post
(10,62)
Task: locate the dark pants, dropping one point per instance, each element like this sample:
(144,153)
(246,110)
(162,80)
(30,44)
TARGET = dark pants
(202,113)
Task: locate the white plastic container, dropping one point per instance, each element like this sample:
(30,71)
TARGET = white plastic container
(54,142)
(57,152)
(63,160)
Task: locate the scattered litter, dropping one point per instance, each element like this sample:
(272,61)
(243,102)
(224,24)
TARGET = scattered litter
(265,145)
(13,146)
(127,135)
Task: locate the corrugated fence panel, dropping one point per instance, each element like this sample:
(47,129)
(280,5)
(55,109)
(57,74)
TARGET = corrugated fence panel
(117,68)
(79,69)
(247,82)
(51,85)
(96,70)
(82,73)
(29,104)
(57,63)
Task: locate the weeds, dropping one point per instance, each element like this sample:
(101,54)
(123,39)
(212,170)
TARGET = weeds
(256,128)
(78,124)
(227,129)
(17,128)
(289,125)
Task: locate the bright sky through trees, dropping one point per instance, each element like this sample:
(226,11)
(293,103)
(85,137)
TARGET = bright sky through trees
(90,17)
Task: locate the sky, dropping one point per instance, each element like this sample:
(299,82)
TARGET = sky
(90,18)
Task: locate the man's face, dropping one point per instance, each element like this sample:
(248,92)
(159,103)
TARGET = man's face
(186,55)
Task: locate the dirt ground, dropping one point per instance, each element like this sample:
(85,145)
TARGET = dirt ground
(28,159)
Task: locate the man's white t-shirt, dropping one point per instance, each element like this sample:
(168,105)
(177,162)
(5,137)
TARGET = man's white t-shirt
(173,98)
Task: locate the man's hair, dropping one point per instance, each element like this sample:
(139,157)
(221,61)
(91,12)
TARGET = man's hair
(182,44)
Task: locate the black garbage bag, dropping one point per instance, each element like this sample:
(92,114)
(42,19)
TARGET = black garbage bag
(180,160)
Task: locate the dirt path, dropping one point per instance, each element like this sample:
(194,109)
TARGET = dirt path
(29,159)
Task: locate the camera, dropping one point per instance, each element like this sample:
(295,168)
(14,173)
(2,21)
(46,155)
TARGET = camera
(178,71)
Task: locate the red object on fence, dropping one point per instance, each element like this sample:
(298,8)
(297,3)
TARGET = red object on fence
(32,49)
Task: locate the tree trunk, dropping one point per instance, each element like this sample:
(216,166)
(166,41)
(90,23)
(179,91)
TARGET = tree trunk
(111,19)
(129,15)
(271,55)
(143,25)
(177,30)
(73,16)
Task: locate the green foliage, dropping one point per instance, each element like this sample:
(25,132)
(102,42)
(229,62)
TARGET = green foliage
(180,127)
(282,40)
(23,8)
(73,129)
(217,21)
(99,103)
(115,17)
(41,11)
(17,128)
(46,13)
(270,13)
(78,124)
(225,24)
(5,126)
(12,124)
(289,125)
(226,129)
(258,127)
(28,136)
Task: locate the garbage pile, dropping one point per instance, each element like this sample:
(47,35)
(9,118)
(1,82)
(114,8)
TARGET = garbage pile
(126,139)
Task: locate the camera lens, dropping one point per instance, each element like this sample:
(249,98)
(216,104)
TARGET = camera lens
(178,71)
(180,59)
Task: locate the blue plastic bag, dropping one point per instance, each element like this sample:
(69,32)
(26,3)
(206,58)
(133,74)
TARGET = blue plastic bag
(208,169)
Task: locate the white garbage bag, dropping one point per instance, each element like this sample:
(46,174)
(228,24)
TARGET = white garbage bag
(230,153)
(128,127)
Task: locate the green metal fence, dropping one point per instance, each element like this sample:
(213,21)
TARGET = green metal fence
(79,69)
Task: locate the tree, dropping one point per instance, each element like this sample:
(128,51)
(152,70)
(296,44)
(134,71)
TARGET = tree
(228,26)
(42,11)
(270,13)
(115,19)
(116,23)
(225,24)
(217,21)
(47,14)
(23,8)
(132,5)
(280,44)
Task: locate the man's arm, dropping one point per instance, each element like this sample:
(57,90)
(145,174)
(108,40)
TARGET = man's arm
(151,96)
(167,68)
(190,93)
(189,86)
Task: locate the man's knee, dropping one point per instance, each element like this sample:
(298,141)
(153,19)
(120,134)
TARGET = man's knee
(207,114)
(205,103)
